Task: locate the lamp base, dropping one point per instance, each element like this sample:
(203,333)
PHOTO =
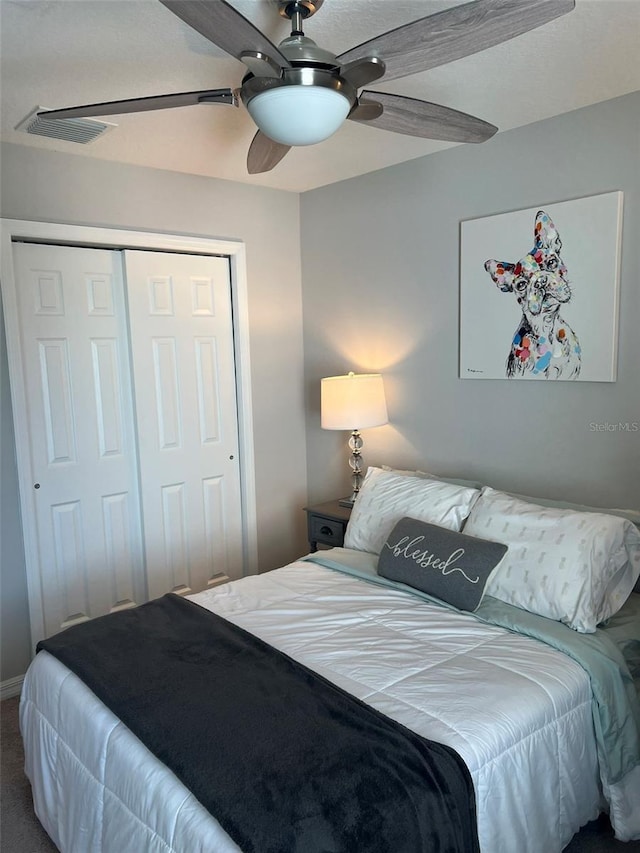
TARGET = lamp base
(348,502)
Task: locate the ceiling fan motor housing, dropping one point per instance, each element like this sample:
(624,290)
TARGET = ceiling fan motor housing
(307,102)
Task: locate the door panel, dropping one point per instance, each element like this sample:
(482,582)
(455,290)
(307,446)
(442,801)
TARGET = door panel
(77,375)
(185,389)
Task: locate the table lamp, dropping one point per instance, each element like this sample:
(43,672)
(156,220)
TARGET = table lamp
(353,402)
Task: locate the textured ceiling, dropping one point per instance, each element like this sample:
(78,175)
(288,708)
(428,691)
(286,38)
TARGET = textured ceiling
(57,53)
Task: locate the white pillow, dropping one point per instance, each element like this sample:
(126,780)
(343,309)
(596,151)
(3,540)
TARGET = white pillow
(472,484)
(575,567)
(386,497)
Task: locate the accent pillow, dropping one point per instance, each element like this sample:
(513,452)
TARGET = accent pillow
(449,565)
(386,497)
(575,567)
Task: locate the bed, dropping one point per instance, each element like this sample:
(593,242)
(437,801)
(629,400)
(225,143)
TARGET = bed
(529,702)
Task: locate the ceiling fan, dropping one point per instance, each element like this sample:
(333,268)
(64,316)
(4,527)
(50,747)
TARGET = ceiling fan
(299,93)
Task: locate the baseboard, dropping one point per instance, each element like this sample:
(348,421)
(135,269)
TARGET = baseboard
(11,687)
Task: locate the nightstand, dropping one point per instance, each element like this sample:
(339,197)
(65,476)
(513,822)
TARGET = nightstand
(326,524)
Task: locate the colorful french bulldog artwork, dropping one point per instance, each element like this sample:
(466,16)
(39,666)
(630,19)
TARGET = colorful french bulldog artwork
(544,345)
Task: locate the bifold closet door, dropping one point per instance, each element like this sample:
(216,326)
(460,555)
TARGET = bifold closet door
(80,437)
(182,350)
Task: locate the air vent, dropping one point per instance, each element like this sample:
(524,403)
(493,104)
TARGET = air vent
(82,130)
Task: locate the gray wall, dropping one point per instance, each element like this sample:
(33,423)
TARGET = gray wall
(55,187)
(380,288)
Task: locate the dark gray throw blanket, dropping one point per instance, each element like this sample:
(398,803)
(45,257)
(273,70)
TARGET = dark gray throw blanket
(286,761)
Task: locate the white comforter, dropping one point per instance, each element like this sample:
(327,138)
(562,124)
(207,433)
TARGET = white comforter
(517,711)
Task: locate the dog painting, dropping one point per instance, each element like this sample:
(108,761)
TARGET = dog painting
(546,308)
(544,345)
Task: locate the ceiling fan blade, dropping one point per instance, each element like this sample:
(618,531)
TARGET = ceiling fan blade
(264,154)
(137,105)
(226,27)
(456,32)
(420,118)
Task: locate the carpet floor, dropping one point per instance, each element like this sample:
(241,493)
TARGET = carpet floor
(20,831)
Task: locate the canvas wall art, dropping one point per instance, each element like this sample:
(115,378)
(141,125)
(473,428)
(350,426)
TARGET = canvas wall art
(539,292)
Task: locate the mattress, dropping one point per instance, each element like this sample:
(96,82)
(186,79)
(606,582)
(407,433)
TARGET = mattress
(517,711)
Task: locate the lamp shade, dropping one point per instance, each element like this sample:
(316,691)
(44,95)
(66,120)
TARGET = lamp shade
(299,115)
(355,401)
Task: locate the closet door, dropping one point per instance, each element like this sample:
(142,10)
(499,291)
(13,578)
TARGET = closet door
(185,389)
(77,380)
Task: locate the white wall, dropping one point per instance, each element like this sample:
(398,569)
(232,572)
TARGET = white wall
(380,260)
(49,186)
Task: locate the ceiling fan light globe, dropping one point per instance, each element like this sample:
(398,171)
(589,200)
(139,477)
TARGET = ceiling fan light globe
(299,115)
